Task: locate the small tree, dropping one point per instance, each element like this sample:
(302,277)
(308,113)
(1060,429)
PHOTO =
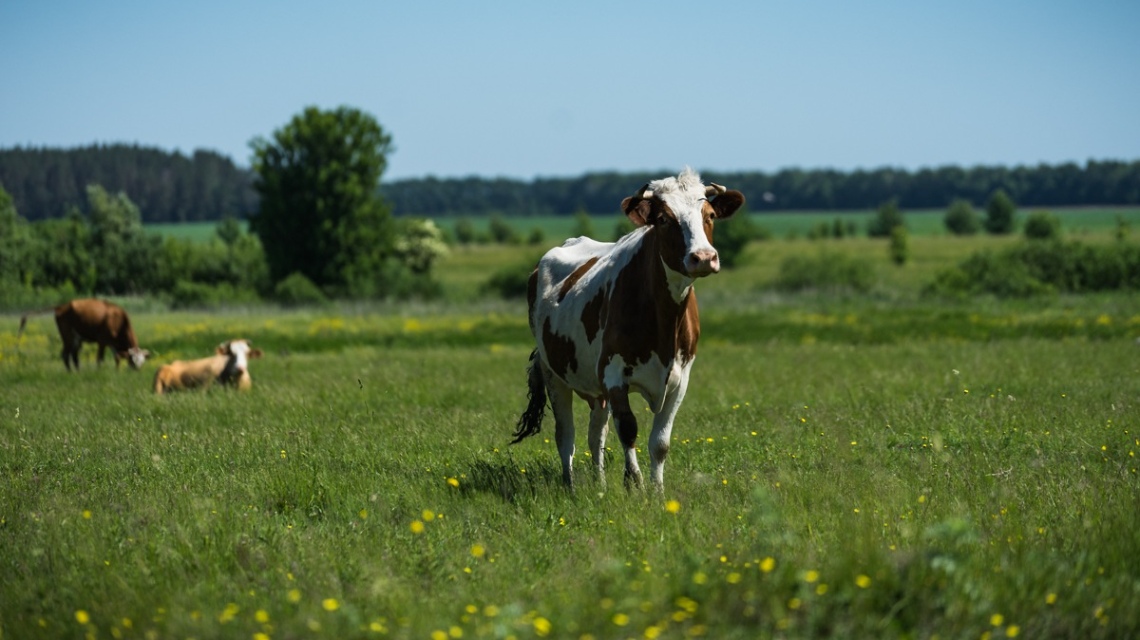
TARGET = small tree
(501,231)
(320,215)
(464,231)
(898,248)
(1000,211)
(886,219)
(961,219)
(1042,225)
(123,251)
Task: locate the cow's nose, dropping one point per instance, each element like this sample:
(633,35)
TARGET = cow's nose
(702,262)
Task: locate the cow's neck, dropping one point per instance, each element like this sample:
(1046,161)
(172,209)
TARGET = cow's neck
(674,301)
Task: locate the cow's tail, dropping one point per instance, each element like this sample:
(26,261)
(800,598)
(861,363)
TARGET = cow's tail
(24,319)
(530,422)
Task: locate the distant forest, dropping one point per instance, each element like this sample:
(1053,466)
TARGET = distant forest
(206,186)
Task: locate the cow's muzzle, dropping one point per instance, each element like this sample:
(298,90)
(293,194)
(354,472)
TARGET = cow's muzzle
(702,263)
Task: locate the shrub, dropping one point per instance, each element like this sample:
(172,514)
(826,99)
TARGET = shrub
(297,291)
(961,219)
(886,218)
(196,295)
(501,230)
(898,248)
(1038,267)
(1042,225)
(1000,212)
(510,282)
(731,236)
(825,271)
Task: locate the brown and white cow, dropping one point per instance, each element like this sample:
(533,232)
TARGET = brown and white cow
(99,321)
(612,318)
(228,366)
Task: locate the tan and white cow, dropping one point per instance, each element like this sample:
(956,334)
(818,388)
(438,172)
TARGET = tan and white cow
(228,366)
(613,318)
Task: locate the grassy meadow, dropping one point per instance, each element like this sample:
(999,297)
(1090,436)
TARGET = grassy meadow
(843,466)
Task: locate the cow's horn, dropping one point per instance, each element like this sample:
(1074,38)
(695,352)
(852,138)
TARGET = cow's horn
(714,189)
(645,192)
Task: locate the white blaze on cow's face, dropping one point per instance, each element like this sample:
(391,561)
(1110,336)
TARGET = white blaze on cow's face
(686,201)
(240,351)
(136,357)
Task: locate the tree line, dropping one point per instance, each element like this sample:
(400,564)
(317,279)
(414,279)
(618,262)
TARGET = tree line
(166,186)
(206,186)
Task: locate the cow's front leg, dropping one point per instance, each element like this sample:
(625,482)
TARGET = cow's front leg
(627,433)
(662,430)
(561,403)
(599,425)
(99,357)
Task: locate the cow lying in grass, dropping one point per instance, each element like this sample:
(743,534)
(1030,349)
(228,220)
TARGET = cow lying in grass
(229,366)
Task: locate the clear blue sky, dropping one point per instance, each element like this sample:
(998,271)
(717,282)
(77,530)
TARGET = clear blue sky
(524,89)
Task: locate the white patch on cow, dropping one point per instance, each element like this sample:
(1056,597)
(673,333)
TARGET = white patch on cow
(679,284)
(240,349)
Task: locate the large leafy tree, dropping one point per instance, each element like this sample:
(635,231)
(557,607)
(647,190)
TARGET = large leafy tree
(320,215)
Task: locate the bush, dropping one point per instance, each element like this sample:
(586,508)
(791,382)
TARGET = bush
(898,248)
(1040,267)
(510,282)
(961,219)
(196,295)
(1000,212)
(825,271)
(1042,225)
(731,236)
(886,218)
(297,291)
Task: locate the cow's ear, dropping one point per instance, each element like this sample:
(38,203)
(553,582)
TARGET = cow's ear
(223,349)
(256,353)
(726,204)
(638,210)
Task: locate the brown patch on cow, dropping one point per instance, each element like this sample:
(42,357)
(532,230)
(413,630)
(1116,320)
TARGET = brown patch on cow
(649,322)
(560,354)
(592,314)
(573,278)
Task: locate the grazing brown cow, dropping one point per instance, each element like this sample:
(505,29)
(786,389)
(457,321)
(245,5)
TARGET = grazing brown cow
(98,321)
(612,318)
(228,366)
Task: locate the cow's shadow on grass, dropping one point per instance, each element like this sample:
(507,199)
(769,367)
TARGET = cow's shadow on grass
(512,479)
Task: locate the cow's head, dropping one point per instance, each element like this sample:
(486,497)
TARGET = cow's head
(239,352)
(135,356)
(683,210)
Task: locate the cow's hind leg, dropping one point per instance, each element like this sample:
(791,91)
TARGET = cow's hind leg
(599,425)
(627,433)
(561,404)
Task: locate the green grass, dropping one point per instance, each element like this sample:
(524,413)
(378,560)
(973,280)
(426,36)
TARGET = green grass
(859,467)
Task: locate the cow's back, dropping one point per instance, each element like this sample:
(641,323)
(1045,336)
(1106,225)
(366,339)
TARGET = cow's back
(98,321)
(569,306)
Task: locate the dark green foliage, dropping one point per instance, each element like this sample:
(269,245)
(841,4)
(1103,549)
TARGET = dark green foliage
(961,218)
(898,247)
(731,236)
(1000,212)
(510,282)
(123,252)
(296,291)
(1097,182)
(887,217)
(501,231)
(167,186)
(1042,225)
(536,236)
(198,295)
(319,212)
(1040,267)
(1123,229)
(464,231)
(825,271)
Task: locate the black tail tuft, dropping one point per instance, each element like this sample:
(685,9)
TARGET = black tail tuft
(530,422)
